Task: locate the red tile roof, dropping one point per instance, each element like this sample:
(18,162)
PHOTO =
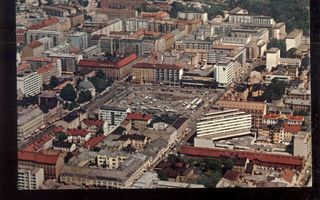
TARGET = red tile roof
(45,69)
(231,175)
(108,64)
(44,23)
(92,122)
(295,161)
(20,31)
(74,50)
(139,116)
(287,175)
(58,129)
(23,66)
(292,128)
(77,132)
(271,116)
(34,44)
(50,21)
(38,144)
(37,157)
(295,118)
(38,59)
(92,142)
(156,66)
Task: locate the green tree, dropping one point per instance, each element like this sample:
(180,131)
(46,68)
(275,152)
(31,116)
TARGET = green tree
(227,165)
(61,136)
(22,1)
(212,164)
(176,7)
(68,93)
(54,82)
(100,131)
(100,74)
(291,53)
(275,90)
(85,3)
(305,62)
(50,2)
(279,44)
(84,96)
(99,84)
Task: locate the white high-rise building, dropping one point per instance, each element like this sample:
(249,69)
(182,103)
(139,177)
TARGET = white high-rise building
(29,178)
(224,72)
(113,115)
(30,83)
(224,124)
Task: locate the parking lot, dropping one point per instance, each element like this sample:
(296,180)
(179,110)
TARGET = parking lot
(163,99)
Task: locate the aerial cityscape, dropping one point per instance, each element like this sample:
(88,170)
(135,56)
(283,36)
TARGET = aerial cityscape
(115,94)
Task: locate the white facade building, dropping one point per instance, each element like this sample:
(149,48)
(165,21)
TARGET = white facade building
(224,124)
(29,178)
(30,83)
(272,58)
(293,40)
(192,15)
(224,73)
(113,116)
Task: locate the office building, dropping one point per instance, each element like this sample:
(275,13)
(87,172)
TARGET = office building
(256,109)
(224,124)
(165,74)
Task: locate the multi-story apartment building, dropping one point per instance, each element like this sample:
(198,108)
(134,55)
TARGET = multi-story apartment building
(113,115)
(29,121)
(116,4)
(294,38)
(29,83)
(48,71)
(193,15)
(55,11)
(92,51)
(33,49)
(122,45)
(118,69)
(184,44)
(224,124)
(111,25)
(251,19)
(157,73)
(298,99)
(47,43)
(138,120)
(76,19)
(79,40)
(256,109)
(68,61)
(51,164)
(117,13)
(29,178)
(56,36)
